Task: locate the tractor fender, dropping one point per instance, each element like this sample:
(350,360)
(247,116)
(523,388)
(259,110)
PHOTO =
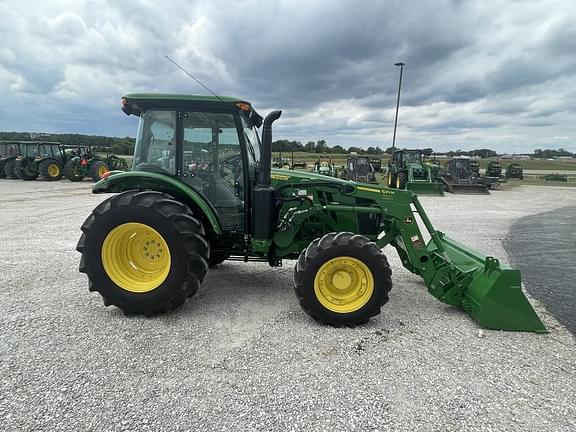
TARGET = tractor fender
(50,158)
(120,181)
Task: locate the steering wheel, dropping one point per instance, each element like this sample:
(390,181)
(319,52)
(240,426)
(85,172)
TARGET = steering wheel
(233,163)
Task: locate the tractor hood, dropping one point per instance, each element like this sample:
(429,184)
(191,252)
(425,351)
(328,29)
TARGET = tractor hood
(281,176)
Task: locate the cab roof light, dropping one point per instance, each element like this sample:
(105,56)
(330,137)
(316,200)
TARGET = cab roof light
(243,106)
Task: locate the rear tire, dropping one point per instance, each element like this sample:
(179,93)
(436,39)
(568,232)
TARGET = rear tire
(97,170)
(73,170)
(50,170)
(110,250)
(342,279)
(24,169)
(9,166)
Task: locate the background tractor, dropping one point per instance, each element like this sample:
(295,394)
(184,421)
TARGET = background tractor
(359,169)
(84,163)
(281,162)
(324,166)
(459,177)
(494,169)
(44,159)
(9,151)
(515,170)
(475,166)
(147,248)
(406,170)
(115,163)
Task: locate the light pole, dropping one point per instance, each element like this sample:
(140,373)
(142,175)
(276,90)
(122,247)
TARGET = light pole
(397,104)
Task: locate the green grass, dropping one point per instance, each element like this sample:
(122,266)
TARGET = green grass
(536,181)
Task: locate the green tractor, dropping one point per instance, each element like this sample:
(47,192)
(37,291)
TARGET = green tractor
(84,163)
(9,151)
(281,162)
(147,248)
(515,170)
(406,170)
(359,169)
(324,166)
(41,159)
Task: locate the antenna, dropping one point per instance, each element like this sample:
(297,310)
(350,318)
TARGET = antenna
(193,77)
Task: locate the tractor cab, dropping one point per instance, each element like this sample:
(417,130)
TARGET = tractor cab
(208,143)
(9,148)
(401,157)
(359,168)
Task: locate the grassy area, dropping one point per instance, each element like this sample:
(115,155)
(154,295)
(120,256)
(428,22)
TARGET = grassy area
(537,181)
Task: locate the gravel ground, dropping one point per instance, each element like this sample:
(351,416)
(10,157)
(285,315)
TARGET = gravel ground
(241,355)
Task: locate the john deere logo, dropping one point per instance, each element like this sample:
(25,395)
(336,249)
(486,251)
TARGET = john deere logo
(279,177)
(408,220)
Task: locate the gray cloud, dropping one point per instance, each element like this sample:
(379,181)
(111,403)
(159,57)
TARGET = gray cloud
(478,72)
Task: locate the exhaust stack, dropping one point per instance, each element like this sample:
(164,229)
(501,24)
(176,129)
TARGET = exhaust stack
(264,195)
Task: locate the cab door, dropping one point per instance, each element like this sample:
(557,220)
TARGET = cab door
(212,163)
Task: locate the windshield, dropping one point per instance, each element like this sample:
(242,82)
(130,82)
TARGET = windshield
(47,150)
(31,150)
(412,156)
(155,149)
(252,141)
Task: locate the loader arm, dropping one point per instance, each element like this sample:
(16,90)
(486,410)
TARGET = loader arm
(489,292)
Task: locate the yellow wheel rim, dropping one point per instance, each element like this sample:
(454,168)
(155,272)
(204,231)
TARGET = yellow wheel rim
(136,257)
(53,170)
(344,284)
(398,184)
(102,170)
(389,180)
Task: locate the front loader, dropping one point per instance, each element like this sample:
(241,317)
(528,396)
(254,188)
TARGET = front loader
(148,248)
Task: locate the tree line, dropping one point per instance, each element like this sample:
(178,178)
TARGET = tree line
(125,146)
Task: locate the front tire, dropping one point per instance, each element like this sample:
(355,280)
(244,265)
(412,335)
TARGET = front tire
(342,279)
(401,179)
(144,252)
(391,180)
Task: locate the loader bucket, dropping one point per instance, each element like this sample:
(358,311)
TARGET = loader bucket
(491,293)
(425,188)
(468,189)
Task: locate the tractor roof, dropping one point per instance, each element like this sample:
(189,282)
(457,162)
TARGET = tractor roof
(135,103)
(179,99)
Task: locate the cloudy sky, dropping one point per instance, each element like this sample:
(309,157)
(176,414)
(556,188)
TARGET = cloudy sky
(497,74)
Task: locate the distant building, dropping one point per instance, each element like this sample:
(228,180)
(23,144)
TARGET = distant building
(515,156)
